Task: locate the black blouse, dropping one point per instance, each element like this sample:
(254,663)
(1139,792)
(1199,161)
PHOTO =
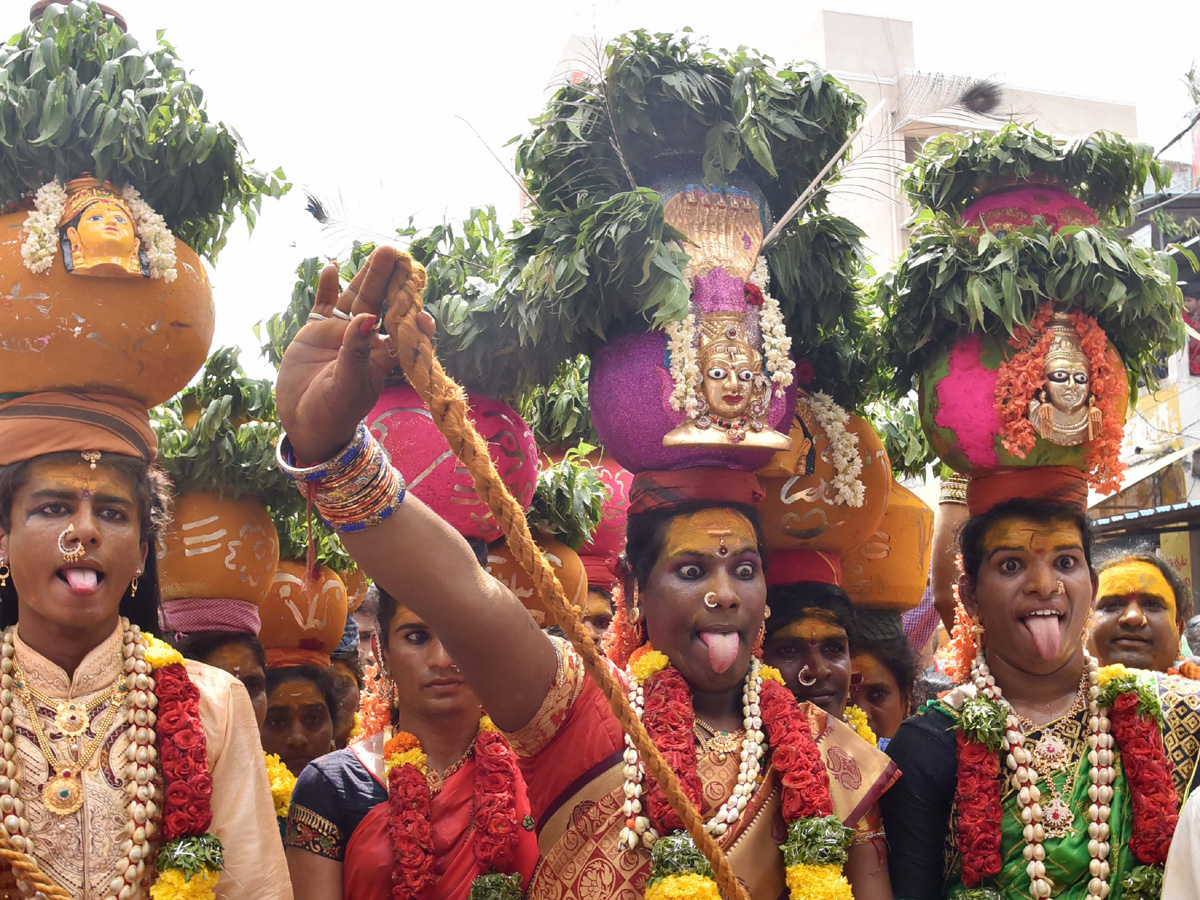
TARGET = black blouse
(333,795)
(917,810)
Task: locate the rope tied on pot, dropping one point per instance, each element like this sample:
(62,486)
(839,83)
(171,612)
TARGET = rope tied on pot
(447,403)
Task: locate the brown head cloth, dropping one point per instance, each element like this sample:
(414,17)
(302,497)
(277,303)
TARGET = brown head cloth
(51,422)
(1050,484)
(671,487)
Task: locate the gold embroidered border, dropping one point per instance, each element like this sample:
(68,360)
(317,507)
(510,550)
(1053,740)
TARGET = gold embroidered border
(308,831)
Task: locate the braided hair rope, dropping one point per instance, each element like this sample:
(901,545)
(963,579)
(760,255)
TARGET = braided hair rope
(447,404)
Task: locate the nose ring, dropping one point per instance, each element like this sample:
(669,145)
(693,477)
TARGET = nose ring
(70,554)
(710,599)
(805,678)
(1060,588)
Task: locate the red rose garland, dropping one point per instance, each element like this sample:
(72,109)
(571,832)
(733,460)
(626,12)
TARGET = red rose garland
(410,810)
(805,780)
(1155,804)
(669,719)
(183,752)
(977,797)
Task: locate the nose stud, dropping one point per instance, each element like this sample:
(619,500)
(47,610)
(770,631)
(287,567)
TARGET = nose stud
(805,678)
(710,599)
(1060,588)
(70,554)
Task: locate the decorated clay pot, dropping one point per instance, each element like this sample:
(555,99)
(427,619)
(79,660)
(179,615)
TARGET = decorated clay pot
(125,334)
(403,425)
(889,569)
(958,407)
(1014,206)
(629,396)
(303,613)
(218,548)
(504,567)
(802,509)
(356,583)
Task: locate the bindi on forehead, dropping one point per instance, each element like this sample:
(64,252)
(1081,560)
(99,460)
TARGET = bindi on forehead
(710,532)
(813,628)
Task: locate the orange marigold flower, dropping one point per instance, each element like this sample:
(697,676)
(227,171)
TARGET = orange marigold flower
(400,743)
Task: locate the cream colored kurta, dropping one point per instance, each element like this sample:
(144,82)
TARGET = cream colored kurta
(81,851)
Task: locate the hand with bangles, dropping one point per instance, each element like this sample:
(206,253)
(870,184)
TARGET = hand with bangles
(333,370)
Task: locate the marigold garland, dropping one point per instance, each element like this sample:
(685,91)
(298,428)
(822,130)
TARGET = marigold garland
(817,883)
(496,823)
(173,884)
(624,636)
(857,719)
(374,707)
(683,887)
(1020,378)
(283,783)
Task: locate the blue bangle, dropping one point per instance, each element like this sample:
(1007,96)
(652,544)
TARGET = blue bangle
(285,458)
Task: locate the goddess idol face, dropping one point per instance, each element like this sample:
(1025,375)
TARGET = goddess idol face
(103,238)
(729,381)
(1068,382)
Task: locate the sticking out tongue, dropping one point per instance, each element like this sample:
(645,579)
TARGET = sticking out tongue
(722,649)
(81,581)
(1047,634)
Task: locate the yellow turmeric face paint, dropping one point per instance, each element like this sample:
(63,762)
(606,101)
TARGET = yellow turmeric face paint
(1136,578)
(710,532)
(1024,534)
(814,626)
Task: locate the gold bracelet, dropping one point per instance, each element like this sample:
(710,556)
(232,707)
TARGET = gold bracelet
(954,489)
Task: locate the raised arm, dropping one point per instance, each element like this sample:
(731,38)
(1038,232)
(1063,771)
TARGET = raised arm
(329,379)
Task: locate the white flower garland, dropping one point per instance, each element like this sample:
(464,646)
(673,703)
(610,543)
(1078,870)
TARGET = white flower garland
(777,344)
(157,240)
(41,227)
(846,488)
(685,366)
(41,231)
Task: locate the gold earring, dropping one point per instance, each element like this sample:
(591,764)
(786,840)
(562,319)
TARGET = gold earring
(5,571)
(635,614)
(766,612)
(134,584)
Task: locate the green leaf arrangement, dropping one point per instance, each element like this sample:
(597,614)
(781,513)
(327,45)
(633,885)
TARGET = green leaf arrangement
(1142,883)
(818,841)
(898,425)
(558,412)
(676,854)
(78,96)
(192,854)
(981,720)
(292,523)
(1102,169)
(496,886)
(569,499)
(952,280)
(219,434)
(1136,682)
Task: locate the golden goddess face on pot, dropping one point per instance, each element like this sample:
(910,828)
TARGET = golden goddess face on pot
(1033,592)
(729,380)
(703,601)
(1068,381)
(103,239)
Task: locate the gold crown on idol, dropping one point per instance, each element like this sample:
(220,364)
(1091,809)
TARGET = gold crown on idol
(1064,341)
(81,192)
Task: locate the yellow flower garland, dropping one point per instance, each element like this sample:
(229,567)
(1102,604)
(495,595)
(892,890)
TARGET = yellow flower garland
(857,719)
(683,887)
(1109,673)
(647,662)
(415,757)
(174,885)
(160,654)
(770,673)
(283,782)
(808,882)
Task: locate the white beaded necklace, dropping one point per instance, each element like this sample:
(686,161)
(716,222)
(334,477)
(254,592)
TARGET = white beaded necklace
(753,746)
(140,773)
(1024,779)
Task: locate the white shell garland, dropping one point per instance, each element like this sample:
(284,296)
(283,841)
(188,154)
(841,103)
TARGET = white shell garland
(140,772)
(41,231)
(1101,774)
(753,747)
(845,489)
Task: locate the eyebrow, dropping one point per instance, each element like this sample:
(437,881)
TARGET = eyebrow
(748,548)
(1057,549)
(56,494)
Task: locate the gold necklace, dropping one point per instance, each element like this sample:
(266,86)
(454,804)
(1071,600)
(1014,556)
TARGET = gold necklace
(71,717)
(63,793)
(721,743)
(1052,753)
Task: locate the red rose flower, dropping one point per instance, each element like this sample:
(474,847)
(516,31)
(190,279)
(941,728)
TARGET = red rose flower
(804,373)
(171,721)
(754,296)
(187,738)
(977,799)
(202,784)
(179,795)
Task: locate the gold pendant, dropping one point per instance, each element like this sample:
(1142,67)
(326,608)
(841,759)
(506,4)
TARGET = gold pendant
(434,779)
(63,794)
(72,719)
(1057,818)
(722,743)
(1051,753)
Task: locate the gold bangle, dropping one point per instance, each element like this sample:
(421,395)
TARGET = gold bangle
(954,489)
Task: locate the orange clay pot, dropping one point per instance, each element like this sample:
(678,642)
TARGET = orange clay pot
(798,512)
(356,583)
(302,613)
(889,570)
(218,548)
(129,335)
(504,567)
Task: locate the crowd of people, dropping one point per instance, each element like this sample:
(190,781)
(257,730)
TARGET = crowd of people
(367,633)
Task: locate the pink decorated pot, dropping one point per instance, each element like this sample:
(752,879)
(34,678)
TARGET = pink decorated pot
(1014,207)
(629,396)
(404,427)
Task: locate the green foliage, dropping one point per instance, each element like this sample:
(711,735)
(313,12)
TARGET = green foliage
(569,499)
(1102,169)
(191,854)
(675,854)
(558,413)
(953,280)
(496,886)
(981,893)
(276,332)
(291,521)
(78,96)
(1142,883)
(1175,229)
(219,434)
(820,841)
(898,424)
(981,720)
(1135,682)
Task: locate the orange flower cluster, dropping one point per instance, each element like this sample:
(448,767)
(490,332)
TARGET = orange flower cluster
(623,636)
(1020,378)
(375,706)
(962,648)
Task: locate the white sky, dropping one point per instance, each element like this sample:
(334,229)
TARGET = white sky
(360,100)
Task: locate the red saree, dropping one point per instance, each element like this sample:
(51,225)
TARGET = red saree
(367,869)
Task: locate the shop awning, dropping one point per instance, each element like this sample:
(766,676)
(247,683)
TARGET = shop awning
(1175,517)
